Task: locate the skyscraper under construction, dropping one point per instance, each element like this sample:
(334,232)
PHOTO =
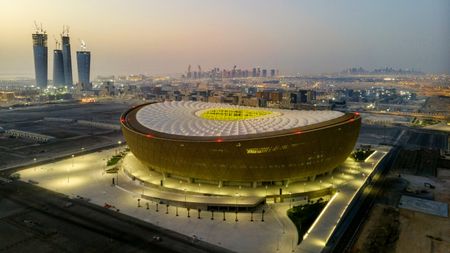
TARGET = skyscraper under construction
(58,67)
(67,58)
(84,66)
(40,51)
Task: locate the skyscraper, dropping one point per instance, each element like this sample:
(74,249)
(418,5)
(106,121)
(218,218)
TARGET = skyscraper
(272,72)
(40,52)
(58,67)
(84,69)
(67,58)
(264,72)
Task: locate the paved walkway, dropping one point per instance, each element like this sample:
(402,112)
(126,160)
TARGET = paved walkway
(84,176)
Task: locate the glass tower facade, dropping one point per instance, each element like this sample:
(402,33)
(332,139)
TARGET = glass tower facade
(84,65)
(67,60)
(58,68)
(40,51)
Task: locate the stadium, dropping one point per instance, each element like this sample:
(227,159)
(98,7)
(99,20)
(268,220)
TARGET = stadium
(230,145)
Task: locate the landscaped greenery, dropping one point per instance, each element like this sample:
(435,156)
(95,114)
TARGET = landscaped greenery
(304,216)
(116,158)
(361,154)
(112,170)
(424,122)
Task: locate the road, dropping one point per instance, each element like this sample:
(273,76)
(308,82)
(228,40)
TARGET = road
(346,231)
(46,222)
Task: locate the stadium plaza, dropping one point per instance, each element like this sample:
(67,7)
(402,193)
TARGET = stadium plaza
(234,216)
(83,176)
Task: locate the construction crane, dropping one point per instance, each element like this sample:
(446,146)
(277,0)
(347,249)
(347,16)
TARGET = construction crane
(39,28)
(65,31)
(82,45)
(56,42)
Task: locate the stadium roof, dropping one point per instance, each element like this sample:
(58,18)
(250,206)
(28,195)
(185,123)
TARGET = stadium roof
(188,118)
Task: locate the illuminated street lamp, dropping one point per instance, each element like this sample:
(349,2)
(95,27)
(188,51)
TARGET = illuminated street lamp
(290,200)
(185,204)
(118,146)
(68,170)
(236,219)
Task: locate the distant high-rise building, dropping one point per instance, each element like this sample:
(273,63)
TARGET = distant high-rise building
(254,72)
(264,72)
(302,96)
(67,58)
(189,74)
(58,68)
(40,51)
(84,69)
(272,72)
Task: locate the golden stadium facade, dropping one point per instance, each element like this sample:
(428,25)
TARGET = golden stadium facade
(236,145)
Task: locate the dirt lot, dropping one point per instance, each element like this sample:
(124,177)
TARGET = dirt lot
(380,232)
(421,233)
(390,229)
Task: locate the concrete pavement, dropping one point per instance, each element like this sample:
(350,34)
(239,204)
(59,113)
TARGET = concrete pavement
(85,176)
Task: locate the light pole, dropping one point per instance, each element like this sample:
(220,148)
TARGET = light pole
(236,219)
(278,243)
(266,190)
(68,170)
(290,200)
(34,161)
(118,146)
(185,204)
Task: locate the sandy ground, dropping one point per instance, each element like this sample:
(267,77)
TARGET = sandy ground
(421,233)
(418,232)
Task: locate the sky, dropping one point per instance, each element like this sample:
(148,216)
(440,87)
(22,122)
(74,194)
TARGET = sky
(162,36)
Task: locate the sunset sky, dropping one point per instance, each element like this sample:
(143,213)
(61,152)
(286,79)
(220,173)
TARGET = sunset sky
(157,37)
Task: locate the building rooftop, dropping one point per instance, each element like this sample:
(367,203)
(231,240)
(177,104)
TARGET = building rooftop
(188,118)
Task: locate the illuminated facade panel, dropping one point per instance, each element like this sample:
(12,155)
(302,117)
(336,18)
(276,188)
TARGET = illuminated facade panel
(275,155)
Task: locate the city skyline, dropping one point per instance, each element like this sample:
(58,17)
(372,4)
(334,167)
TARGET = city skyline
(305,37)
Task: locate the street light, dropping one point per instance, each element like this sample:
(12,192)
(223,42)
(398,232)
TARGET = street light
(68,170)
(118,146)
(185,204)
(290,199)
(236,219)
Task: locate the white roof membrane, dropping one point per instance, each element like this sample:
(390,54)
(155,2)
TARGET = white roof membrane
(181,118)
